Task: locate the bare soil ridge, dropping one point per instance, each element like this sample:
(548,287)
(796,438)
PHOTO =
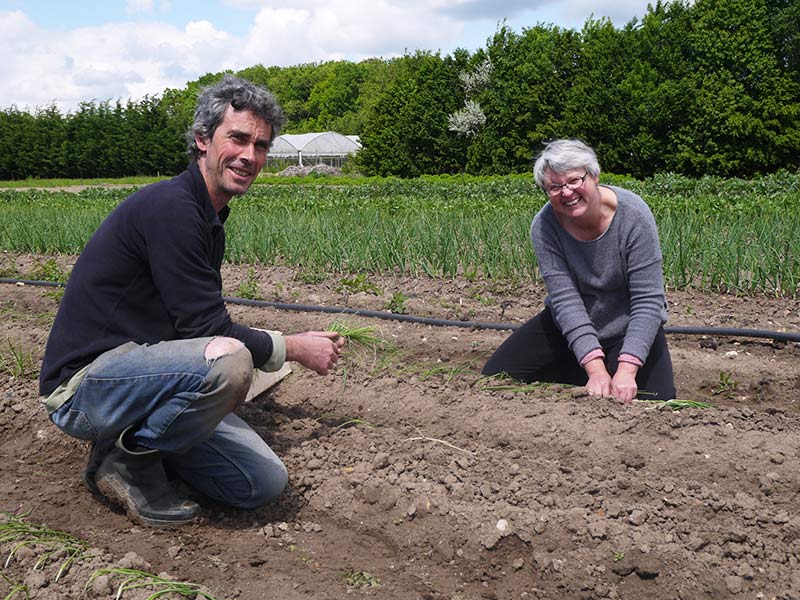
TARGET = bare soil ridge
(443,489)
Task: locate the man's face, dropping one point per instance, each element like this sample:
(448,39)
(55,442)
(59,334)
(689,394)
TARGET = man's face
(234,155)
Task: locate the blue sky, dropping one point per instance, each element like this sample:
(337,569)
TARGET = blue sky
(62,52)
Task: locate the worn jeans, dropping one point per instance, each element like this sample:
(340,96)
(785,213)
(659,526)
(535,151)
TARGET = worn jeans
(180,403)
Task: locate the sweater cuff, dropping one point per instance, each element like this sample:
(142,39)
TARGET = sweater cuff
(278,356)
(630,358)
(591,355)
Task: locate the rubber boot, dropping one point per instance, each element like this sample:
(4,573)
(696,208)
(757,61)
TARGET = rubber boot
(100,449)
(135,479)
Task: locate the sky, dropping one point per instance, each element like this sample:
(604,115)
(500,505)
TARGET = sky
(63,52)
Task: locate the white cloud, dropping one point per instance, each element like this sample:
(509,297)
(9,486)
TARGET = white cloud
(147,7)
(619,11)
(129,59)
(115,61)
(122,60)
(135,7)
(486,9)
(312,32)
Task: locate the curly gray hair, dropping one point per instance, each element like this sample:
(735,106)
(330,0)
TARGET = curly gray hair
(239,93)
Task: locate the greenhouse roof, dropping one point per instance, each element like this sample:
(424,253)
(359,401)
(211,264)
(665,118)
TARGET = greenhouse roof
(328,143)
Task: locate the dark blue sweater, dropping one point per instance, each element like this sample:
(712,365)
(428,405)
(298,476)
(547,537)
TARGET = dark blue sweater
(150,273)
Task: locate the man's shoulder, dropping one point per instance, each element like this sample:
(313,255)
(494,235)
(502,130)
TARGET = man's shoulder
(180,184)
(172,195)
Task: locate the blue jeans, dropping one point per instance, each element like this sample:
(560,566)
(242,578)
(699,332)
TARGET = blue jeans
(180,403)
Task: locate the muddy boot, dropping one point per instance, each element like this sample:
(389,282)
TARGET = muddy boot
(135,479)
(100,449)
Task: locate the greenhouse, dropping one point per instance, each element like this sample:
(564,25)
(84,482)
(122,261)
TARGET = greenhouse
(329,147)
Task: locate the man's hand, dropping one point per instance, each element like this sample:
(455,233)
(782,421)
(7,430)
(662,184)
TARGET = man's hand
(623,385)
(315,350)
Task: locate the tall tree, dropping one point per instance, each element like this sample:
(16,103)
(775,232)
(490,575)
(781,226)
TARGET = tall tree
(745,115)
(524,98)
(334,98)
(655,98)
(407,134)
(596,109)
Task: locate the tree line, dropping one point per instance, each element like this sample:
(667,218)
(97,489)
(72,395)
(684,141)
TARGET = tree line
(704,88)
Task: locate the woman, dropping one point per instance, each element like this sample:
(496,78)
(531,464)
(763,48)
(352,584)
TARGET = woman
(600,258)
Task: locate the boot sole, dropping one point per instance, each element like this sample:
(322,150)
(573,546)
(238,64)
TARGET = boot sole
(114,490)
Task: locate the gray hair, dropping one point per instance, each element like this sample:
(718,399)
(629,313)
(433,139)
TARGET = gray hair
(562,156)
(239,93)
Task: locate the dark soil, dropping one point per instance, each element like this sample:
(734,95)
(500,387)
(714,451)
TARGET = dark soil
(409,479)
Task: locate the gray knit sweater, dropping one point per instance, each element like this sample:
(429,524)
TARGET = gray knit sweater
(605,288)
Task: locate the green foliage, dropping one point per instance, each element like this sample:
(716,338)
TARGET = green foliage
(359,283)
(17,361)
(732,235)
(15,588)
(48,270)
(50,546)
(407,134)
(102,139)
(727,385)
(250,289)
(360,579)
(47,544)
(708,87)
(397,303)
(364,337)
(133,579)
(743,114)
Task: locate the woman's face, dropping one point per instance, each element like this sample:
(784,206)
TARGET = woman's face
(571,193)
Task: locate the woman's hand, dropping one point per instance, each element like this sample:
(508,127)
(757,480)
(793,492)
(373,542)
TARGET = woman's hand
(623,385)
(599,383)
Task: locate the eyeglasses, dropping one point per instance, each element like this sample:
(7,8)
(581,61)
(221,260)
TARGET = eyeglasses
(573,184)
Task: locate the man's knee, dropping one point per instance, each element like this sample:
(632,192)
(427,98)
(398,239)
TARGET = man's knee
(232,366)
(221,346)
(266,487)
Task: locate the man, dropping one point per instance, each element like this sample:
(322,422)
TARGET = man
(144,360)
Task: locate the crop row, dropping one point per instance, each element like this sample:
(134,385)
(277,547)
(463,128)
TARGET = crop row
(722,235)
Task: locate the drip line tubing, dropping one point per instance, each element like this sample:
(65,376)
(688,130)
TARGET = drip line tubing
(780,336)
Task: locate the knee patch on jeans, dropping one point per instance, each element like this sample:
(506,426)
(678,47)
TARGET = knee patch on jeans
(232,371)
(218,347)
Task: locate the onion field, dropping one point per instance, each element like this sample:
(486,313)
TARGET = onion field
(729,235)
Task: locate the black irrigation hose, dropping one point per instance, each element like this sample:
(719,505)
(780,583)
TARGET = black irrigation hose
(721,331)
(753,333)
(371,313)
(32,282)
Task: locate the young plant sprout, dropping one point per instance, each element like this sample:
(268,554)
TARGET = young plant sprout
(52,544)
(344,421)
(676,404)
(135,579)
(364,337)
